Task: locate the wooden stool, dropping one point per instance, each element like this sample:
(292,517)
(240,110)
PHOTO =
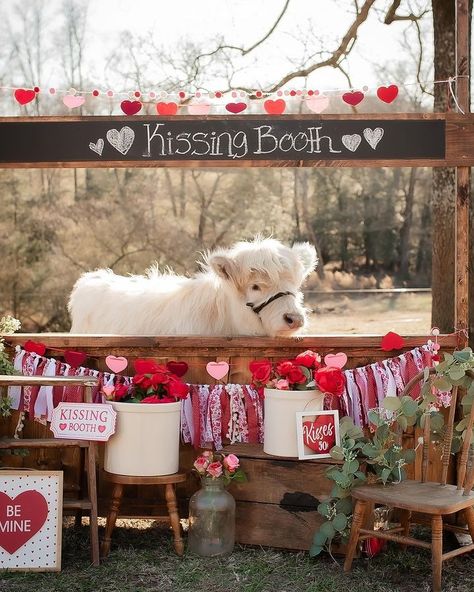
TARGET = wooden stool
(167,480)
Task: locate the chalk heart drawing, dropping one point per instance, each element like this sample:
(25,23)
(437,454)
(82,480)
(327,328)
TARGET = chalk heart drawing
(352,141)
(31,506)
(374,136)
(121,140)
(97,147)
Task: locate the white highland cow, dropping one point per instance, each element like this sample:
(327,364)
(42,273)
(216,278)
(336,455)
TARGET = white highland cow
(252,288)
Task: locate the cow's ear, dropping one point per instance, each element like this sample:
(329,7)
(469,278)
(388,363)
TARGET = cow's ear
(224,267)
(306,253)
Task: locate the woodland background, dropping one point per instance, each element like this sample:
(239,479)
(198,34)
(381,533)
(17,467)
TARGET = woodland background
(373,228)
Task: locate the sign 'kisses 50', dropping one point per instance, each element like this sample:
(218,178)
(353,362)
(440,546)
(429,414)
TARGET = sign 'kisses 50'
(317,433)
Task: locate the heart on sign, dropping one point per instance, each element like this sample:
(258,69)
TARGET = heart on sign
(101,428)
(108,391)
(36,347)
(373,136)
(217,369)
(130,107)
(62,426)
(387,94)
(166,108)
(23,96)
(338,360)
(177,368)
(320,434)
(351,141)
(199,108)
(353,98)
(116,363)
(392,341)
(72,101)
(121,140)
(97,147)
(31,506)
(274,107)
(318,104)
(75,358)
(236,107)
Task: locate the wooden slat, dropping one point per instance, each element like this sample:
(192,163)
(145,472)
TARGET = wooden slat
(13,380)
(456,552)
(70,504)
(42,443)
(382,534)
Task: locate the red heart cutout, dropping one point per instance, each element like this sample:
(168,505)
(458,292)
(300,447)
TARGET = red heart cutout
(274,107)
(33,508)
(167,108)
(130,107)
(36,347)
(62,426)
(101,428)
(74,358)
(178,368)
(24,96)
(236,107)
(387,94)
(320,434)
(353,98)
(392,341)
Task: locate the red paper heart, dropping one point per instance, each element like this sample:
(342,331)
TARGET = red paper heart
(36,347)
(24,96)
(178,368)
(373,546)
(74,358)
(387,94)
(32,507)
(274,107)
(320,434)
(392,341)
(236,107)
(167,108)
(62,426)
(130,107)
(353,98)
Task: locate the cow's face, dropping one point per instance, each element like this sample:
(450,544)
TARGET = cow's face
(267,278)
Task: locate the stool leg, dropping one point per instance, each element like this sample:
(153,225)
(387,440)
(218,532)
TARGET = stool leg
(357,521)
(111,518)
(174,518)
(92,491)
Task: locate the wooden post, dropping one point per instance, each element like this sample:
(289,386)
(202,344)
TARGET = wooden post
(463,178)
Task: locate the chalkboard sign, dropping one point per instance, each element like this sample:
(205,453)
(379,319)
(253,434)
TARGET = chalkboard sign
(117,139)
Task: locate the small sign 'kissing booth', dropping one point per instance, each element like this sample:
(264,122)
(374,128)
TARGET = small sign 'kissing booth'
(83,421)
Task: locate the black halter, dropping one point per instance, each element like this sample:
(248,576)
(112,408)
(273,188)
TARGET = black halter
(258,309)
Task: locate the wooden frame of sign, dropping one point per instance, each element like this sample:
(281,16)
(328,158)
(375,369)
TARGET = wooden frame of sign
(315,442)
(39,509)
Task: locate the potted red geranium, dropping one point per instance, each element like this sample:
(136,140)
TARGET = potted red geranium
(146,439)
(289,386)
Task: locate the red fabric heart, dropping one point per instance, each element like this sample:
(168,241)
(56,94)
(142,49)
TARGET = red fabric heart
(32,507)
(74,358)
(274,107)
(36,347)
(392,341)
(236,107)
(24,96)
(130,107)
(178,368)
(167,108)
(320,434)
(387,94)
(353,98)
(373,546)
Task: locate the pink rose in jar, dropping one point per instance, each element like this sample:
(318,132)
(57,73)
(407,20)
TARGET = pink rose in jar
(201,464)
(215,469)
(231,463)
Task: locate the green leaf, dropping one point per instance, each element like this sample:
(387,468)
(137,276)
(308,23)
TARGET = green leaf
(337,453)
(340,522)
(328,529)
(391,403)
(344,505)
(442,383)
(319,538)
(323,509)
(315,550)
(350,467)
(385,474)
(402,422)
(374,417)
(465,355)
(456,373)
(360,475)
(409,406)
(437,422)
(409,455)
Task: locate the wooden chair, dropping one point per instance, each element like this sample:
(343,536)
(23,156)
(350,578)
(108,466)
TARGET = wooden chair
(85,502)
(433,499)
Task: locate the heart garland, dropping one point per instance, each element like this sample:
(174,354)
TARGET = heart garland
(116,363)
(236,107)
(392,341)
(73,101)
(274,107)
(387,94)
(75,358)
(353,98)
(217,369)
(35,346)
(130,107)
(177,368)
(24,96)
(166,108)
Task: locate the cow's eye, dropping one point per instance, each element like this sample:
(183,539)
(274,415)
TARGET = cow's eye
(256,287)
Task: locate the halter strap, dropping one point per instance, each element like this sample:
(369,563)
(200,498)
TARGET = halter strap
(258,309)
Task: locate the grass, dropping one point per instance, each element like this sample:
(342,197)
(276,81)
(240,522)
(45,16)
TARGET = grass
(143,560)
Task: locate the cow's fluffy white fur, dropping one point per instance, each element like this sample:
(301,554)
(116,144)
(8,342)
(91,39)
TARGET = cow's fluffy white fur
(212,302)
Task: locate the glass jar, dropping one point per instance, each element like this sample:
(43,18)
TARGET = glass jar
(211,519)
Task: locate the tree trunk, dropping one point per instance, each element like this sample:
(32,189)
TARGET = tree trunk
(405,231)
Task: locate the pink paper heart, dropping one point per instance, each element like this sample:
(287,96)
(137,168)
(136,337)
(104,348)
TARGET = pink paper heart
(338,360)
(199,109)
(217,369)
(318,104)
(72,101)
(108,390)
(116,363)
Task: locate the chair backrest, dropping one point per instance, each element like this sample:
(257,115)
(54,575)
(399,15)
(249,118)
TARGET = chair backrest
(465,478)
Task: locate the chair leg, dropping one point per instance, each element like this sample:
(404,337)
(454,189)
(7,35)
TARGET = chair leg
(436,551)
(92,491)
(357,520)
(469,515)
(405,516)
(174,518)
(111,519)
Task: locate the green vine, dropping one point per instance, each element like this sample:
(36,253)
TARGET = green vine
(380,451)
